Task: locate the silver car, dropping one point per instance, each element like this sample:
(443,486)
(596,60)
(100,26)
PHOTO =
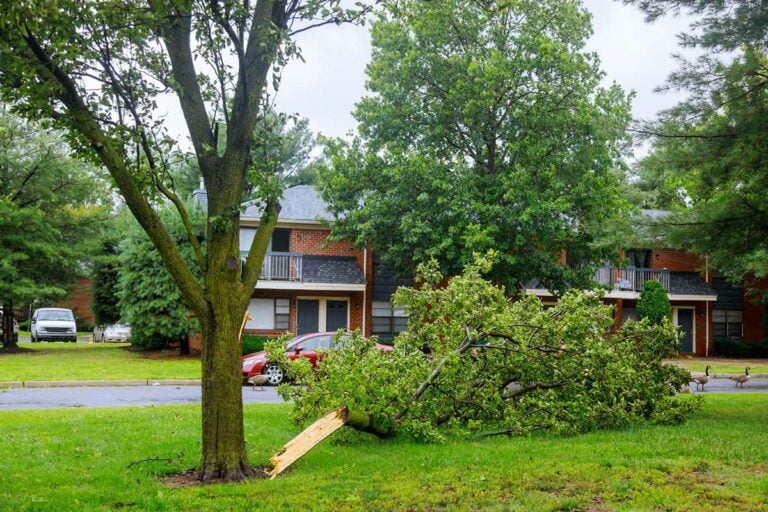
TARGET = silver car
(113,332)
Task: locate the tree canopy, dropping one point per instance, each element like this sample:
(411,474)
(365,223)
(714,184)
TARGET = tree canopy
(486,126)
(50,214)
(707,160)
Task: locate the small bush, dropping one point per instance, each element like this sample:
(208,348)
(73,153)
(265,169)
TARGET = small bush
(24,326)
(728,347)
(654,303)
(85,326)
(253,343)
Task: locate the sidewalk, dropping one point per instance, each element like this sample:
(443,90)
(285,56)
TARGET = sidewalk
(97,383)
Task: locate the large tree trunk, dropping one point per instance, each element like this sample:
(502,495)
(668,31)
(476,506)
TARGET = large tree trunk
(224,455)
(8,341)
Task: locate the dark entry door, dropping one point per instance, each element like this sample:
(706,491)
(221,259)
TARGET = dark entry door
(308,316)
(685,322)
(336,315)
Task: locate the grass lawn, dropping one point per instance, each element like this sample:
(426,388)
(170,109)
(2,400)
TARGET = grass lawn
(722,365)
(77,459)
(92,361)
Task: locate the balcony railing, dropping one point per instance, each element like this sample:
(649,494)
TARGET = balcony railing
(281,266)
(631,279)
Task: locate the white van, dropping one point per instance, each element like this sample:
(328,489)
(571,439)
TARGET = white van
(53,324)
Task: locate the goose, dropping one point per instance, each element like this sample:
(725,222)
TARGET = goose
(741,379)
(700,380)
(258,380)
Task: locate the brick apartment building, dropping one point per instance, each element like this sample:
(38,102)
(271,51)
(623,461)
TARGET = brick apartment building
(309,284)
(704,304)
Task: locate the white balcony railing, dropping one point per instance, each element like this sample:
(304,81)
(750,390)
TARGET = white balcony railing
(632,279)
(282,266)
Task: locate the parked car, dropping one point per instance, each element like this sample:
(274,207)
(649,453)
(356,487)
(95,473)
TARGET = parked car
(53,324)
(15,328)
(120,333)
(304,345)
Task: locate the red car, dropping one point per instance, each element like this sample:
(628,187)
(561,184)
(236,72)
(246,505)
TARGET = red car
(304,345)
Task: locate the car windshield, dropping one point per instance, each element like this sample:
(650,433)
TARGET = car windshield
(55,314)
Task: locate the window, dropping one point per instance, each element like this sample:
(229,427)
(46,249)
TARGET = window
(281,240)
(316,343)
(283,314)
(387,319)
(628,314)
(726,323)
(269,314)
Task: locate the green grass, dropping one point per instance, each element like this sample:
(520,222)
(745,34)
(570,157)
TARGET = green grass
(722,365)
(77,460)
(91,361)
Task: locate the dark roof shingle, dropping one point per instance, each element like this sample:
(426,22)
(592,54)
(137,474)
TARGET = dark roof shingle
(331,269)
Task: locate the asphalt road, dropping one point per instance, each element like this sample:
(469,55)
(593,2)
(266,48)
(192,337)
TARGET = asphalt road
(728,386)
(44,398)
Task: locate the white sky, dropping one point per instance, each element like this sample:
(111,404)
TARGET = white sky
(324,89)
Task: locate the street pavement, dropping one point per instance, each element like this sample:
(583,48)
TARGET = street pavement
(45,398)
(728,386)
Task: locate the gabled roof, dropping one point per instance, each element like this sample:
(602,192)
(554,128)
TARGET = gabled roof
(301,203)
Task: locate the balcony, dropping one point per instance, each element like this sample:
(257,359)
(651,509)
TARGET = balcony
(631,279)
(282,266)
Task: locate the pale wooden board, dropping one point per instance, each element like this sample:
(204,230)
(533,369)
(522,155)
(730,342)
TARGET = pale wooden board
(308,439)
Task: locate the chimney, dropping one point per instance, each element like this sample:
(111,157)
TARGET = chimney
(200,195)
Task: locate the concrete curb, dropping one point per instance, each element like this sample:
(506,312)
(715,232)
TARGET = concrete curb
(97,383)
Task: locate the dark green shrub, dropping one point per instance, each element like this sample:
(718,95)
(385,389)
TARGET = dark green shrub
(24,326)
(729,347)
(654,303)
(84,327)
(104,284)
(253,343)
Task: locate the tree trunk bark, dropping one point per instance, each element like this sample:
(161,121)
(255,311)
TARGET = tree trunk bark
(224,455)
(8,341)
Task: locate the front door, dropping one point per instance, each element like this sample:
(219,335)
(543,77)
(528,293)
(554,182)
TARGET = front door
(685,322)
(308,316)
(336,315)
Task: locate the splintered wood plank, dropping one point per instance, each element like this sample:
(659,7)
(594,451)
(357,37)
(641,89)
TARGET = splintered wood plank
(308,439)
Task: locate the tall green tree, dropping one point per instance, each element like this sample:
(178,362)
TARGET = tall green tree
(486,127)
(98,69)
(708,152)
(148,298)
(49,214)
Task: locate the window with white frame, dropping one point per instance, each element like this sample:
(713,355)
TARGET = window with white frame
(269,313)
(726,323)
(388,320)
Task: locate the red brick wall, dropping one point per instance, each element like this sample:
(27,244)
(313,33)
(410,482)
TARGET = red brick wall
(753,312)
(313,241)
(676,261)
(79,300)
(355,307)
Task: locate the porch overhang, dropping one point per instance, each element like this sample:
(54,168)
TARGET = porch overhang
(305,286)
(629,295)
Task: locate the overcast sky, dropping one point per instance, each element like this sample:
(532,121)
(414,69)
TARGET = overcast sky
(325,88)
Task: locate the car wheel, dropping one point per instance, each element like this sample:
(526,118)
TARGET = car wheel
(275,374)
(32,338)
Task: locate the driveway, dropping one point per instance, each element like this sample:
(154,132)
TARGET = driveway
(44,398)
